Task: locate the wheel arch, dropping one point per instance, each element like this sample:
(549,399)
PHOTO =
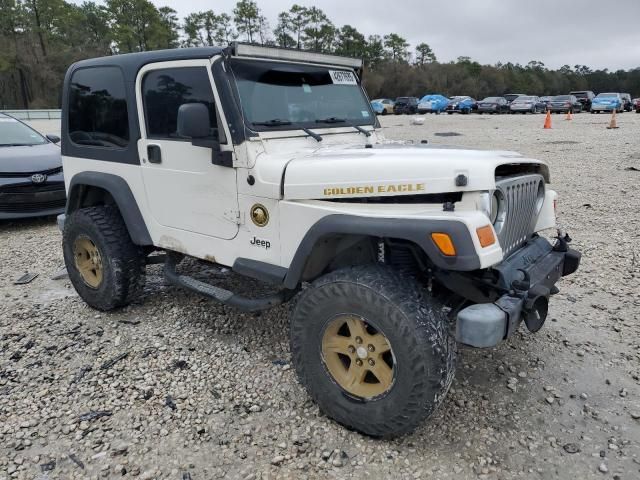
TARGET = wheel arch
(352,236)
(88,189)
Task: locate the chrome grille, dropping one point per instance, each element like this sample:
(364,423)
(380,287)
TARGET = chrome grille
(522,198)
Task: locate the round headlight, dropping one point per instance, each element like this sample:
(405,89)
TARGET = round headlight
(540,197)
(498,210)
(494,208)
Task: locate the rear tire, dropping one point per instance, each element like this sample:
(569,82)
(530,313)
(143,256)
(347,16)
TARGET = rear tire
(390,307)
(106,268)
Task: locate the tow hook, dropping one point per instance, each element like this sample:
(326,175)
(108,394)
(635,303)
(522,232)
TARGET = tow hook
(536,301)
(562,242)
(536,307)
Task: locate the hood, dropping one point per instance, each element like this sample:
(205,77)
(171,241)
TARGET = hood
(390,170)
(34,158)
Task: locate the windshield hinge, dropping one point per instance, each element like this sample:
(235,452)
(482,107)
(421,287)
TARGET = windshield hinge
(234,216)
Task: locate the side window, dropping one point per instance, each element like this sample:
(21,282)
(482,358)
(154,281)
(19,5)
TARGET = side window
(98,108)
(163,91)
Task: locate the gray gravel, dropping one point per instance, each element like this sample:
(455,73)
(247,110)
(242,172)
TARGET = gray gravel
(177,387)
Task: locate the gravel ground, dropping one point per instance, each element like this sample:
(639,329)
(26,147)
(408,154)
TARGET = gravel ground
(177,387)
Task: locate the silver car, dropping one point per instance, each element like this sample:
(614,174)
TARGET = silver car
(527,104)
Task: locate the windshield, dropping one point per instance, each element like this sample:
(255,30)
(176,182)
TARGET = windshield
(15,134)
(525,99)
(580,94)
(274,94)
(560,98)
(607,95)
(491,99)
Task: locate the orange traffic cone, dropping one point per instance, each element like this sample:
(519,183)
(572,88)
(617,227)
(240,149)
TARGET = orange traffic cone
(569,115)
(613,123)
(547,121)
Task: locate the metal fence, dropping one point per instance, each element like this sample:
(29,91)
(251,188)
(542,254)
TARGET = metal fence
(34,114)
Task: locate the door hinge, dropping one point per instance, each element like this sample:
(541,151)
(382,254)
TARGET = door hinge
(234,216)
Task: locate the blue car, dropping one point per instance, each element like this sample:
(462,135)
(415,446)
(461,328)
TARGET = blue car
(607,102)
(378,107)
(461,104)
(433,103)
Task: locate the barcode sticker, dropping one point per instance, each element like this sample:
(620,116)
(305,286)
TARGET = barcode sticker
(341,77)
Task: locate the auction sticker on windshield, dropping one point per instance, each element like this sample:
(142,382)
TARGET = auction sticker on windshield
(340,77)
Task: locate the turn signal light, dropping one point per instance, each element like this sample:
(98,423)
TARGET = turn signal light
(485,235)
(444,243)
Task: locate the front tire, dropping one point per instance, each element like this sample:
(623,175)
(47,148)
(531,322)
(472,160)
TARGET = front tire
(105,267)
(372,349)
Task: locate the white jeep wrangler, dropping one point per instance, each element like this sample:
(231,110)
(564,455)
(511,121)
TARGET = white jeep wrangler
(272,162)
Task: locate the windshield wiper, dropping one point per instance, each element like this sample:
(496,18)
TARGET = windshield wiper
(312,134)
(276,122)
(16,144)
(366,133)
(331,120)
(342,120)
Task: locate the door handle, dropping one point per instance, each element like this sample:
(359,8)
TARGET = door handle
(154,153)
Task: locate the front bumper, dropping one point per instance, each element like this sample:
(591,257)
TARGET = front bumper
(520,108)
(24,200)
(604,108)
(528,277)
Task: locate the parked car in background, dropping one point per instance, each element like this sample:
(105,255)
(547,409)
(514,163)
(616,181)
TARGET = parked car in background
(31,181)
(585,97)
(378,107)
(493,105)
(527,104)
(564,104)
(546,99)
(433,103)
(510,97)
(407,105)
(607,102)
(387,105)
(627,105)
(461,104)
(636,104)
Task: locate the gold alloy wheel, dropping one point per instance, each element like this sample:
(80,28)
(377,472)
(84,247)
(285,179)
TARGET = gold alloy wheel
(358,357)
(88,261)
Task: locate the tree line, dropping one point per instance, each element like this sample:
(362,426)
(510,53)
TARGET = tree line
(39,39)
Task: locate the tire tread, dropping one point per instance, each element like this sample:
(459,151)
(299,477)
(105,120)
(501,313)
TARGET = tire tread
(424,326)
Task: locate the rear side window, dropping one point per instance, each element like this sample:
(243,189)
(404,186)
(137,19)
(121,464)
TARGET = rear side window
(165,90)
(98,108)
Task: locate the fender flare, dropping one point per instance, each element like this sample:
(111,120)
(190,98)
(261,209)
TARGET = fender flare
(120,191)
(417,231)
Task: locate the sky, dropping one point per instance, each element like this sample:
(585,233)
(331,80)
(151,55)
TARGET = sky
(595,33)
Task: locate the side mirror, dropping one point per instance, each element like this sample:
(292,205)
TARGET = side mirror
(193,120)
(53,138)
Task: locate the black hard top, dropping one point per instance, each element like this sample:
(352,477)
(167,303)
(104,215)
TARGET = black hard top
(132,62)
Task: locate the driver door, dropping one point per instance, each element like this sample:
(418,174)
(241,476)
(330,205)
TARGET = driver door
(184,189)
